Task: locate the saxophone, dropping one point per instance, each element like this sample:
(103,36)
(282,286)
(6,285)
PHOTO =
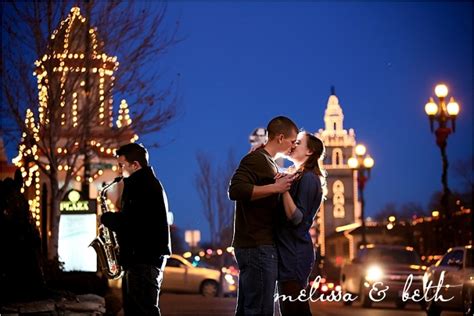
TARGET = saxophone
(105,244)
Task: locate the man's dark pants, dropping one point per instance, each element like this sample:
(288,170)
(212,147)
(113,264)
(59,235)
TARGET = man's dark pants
(258,274)
(141,289)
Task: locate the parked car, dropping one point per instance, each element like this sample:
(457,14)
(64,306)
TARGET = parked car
(458,281)
(181,276)
(382,263)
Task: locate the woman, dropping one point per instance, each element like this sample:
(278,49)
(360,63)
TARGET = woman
(300,205)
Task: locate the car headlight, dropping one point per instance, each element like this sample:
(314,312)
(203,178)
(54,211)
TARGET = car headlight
(374,273)
(470,279)
(230,279)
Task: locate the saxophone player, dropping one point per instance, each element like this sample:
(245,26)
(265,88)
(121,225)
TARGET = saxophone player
(142,231)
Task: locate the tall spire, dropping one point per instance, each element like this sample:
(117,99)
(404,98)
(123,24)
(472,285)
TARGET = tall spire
(333,117)
(334,133)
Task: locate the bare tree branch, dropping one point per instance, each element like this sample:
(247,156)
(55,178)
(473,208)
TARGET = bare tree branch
(212,182)
(203,181)
(53,67)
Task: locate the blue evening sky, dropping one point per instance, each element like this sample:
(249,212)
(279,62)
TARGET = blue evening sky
(243,63)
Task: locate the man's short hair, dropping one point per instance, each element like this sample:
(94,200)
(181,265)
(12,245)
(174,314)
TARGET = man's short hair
(281,125)
(134,152)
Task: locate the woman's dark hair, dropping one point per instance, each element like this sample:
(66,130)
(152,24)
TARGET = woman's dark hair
(134,152)
(314,162)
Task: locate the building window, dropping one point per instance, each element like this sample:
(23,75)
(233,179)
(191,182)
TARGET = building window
(338,211)
(338,186)
(337,159)
(338,199)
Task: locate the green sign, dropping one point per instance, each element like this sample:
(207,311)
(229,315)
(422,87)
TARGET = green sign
(75,204)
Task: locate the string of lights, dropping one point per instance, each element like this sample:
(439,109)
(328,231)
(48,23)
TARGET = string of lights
(69,64)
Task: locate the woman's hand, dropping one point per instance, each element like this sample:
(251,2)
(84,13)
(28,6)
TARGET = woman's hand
(282,182)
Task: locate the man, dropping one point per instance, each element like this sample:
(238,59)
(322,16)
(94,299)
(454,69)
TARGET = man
(142,231)
(256,193)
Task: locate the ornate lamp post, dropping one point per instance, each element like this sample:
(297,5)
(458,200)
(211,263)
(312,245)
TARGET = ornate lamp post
(442,113)
(362,163)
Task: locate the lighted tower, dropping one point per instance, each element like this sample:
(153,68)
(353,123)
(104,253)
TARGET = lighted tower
(342,206)
(76,63)
(77,69)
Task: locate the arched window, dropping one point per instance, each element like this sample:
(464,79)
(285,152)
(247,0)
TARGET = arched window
(338,186)
(339,211)
(338,199)
(337,159)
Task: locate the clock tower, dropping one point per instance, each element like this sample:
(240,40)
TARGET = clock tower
(341,206)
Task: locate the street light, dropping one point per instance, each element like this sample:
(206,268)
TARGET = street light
(442,113)
(363,163)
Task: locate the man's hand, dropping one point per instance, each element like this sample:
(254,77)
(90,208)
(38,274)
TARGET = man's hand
(283,182)
(280,175)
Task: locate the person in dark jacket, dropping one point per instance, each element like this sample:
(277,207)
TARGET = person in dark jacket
(142,231)
(256,193)
(299,207)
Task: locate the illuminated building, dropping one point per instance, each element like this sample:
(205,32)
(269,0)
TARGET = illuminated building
(342,206)
(76,67)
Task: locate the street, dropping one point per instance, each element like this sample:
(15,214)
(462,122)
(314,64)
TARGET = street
(177,304)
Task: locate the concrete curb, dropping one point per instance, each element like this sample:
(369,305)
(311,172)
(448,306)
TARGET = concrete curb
(87,304)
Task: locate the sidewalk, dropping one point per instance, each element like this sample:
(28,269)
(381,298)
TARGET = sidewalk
(85,304)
